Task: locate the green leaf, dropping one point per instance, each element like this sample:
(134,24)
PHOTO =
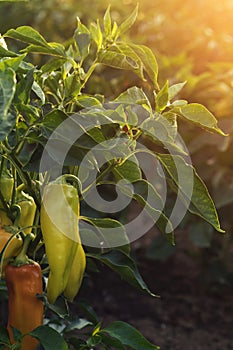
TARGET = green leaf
(24,87)
(60,308)
(52,49)
(17,334)
(107,22)
(28,35)
(173,90)
(127,24)
(200,202)
(149,61)
(89,312)
(162,98)
(53,65)
(128,336)
(6,53)
(148,197)
(12,62)
(129,170)
(82,39)
(38,91)
(79,323)
(96,34)
(111,342)
(162,132)
(200,115)
(125,266)
(87,101)
(117,60)
(49,338)
(7,91)
(111,232)
(72,85)
(134,95)
(126,50)
(52,120)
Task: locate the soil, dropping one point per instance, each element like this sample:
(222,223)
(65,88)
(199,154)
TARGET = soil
(192,313)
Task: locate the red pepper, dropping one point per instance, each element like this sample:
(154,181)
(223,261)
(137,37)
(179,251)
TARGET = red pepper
(25,310)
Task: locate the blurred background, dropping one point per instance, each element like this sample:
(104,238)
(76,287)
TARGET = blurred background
(193,42)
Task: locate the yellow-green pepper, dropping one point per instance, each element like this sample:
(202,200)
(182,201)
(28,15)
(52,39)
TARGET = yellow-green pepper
(6,188)
(27,210)
(59,225)
(76,274)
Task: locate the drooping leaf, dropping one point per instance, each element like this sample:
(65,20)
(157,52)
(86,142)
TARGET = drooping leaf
(148,197)
(110,341)
(149,62)
(52,49)
(185,178)
(125,266)
(49,338)
(128,336)
(200,115)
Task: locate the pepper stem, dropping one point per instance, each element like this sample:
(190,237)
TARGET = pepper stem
(63,179)
(22,258)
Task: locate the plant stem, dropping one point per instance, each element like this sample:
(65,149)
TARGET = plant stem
(22,258)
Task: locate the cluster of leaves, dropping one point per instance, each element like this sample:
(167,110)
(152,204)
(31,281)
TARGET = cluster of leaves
(198,49)
(36,100)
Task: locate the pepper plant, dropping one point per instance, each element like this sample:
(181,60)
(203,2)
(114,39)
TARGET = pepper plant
(61,148)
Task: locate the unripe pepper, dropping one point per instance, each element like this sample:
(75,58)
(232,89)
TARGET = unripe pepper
(4,219)
(28,210)
(25,310)
(59,225)
(6,188)
(76,274)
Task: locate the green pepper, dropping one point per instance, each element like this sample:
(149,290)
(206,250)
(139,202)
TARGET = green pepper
(27,210)
(59,225)
(6,188)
